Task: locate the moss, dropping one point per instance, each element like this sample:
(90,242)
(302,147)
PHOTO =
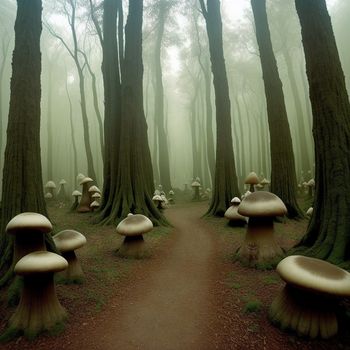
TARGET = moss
(9,334)
(253,306)
(268,280)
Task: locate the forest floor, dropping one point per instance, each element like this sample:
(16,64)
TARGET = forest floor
(189,294)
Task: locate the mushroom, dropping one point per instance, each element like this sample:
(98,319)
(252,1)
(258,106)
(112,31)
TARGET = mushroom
(50,186)
(195,185)
(80,177)
(48,196)
(232,215)
(96,196)
(310,185)
(92,190)
(157,199)
(29,230)
(259,246)
(61,195)
(251,180)
(265,183)
(76,194)
(39,309)
(171,196)
(245,194)
(132,228)
(67,241)
(307,303)
(309,212)
(84,205)
(94,205)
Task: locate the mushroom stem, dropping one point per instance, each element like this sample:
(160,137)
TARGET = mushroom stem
(132,247)
(259,245)
(251,188)
(308,314)
(74,272)
(39,309)
(84,205)
(26,243)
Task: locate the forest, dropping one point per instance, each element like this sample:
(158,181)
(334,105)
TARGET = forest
(174,174)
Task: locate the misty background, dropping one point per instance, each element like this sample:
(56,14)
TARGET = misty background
(184,48)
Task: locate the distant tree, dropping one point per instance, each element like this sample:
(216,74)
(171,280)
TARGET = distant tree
(22,176)
(283,176)
(130,176)
(225,184)
(328,234)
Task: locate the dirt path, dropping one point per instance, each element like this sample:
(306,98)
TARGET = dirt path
(170,306)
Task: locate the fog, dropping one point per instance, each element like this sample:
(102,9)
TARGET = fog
(183,83)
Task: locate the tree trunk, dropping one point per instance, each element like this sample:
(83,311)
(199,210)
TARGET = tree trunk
(49,126)
(225,184)
(328,234)
(163,152)
(22,174)
(283,176)
(133,181)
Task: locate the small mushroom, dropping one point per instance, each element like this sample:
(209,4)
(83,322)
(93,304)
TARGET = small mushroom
(29,230)
(48,196)
(259,245)
(132,228)
(310,185)
(251,180)
(195,185)
(158,200)
(309,212)
(67,241)
(39,309)
(308,301)
(84,205)
(92,190)
(76,194)
(94,205)
(232,215)
(50,186)
(265,183)
(61,195)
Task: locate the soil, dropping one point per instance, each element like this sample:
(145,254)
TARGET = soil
(190,294)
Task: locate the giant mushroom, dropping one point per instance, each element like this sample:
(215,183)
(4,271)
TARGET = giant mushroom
(39,309)
(84,204)
(259,246)
(251,180)
(132,228)
(308,301)
(67,241)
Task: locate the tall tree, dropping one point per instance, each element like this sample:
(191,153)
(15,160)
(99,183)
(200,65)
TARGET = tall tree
(163,7)
(225,184)
(130,176)
(283,176)
(22,176)
(328,234)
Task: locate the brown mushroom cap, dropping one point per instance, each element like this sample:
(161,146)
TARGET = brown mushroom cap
(134,225)
(40,262)
(314,275)
(68,240)
(29,221)
(262,204)
(251,179)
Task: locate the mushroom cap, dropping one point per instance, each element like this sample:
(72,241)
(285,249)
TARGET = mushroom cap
(63,182)
(195,184)
(50,184)
(29,222)
(96,195)
(68,240)
(157,198)
(314,275)
(94,189)
(311,183)
(264,181)
(40,262)
(94,204)
(259,186)
(80,177)
(48,195)
(85,180)
(252,179)
(76,193)
(246,194)
(310,211)
(262,204)
(171,192)
(235,201)
(232,214)
(134,225)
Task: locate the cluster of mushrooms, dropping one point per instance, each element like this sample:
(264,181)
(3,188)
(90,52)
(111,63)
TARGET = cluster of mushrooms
(89,198)
(39,308)
(198,192)
(308,301)
(160,200)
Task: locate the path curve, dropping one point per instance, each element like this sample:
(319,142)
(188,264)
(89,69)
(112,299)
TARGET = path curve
(171,306)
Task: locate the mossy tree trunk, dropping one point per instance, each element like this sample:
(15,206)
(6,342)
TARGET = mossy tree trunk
(328,234)
(22,174)
(130,162)
(283,176)
(225,183)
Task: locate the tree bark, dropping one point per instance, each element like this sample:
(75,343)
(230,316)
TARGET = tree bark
(283,176)
(22,173)
(225,184)
(328,234)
